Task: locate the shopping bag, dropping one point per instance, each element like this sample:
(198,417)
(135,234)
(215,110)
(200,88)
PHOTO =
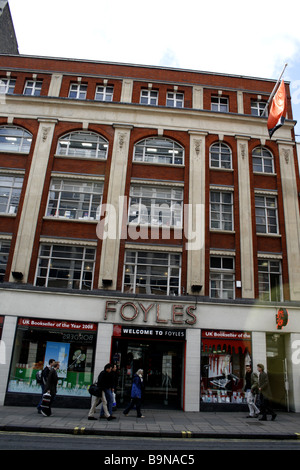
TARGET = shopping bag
(45,405)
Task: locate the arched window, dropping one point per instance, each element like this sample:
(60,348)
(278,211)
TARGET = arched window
(263,160)
(220,156)
(14,139)
(159,150)
(83,144)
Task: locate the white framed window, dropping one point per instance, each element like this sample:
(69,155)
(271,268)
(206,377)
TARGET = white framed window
(150,272)
(7,86)
(33,87)
(221,210)
(104,93)
(257,108)
(78,91)
(83,144)
(10,192)
(220,156)
(222,277)
(14,139)
(65,266)
(155,205)
(262,160)
(4,253)
(270,280)
(159,150)
(149,97)
(175,100)
(266,214)
(219,104)
(73,199)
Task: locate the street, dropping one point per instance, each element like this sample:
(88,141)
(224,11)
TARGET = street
(118,445)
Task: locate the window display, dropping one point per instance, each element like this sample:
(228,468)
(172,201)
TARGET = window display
(72,344)
(224,357)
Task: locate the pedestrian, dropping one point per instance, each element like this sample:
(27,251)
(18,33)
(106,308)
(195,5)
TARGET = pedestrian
(251,390)
(103,383)
(51,385)
(45,374)
(136,394)
(109,392)
(265,394)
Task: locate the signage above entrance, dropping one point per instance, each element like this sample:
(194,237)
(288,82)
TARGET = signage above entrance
(146,332)
(154,313)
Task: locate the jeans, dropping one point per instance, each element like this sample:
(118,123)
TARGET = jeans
(109,399)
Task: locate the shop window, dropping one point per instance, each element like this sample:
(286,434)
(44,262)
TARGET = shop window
(224,357)
(156,205)
(220,156)
(73,199)
(37,341)
(83,144)
(152,273)
(65,267)
(14,139)
(4,252)
(270,280)
(156,150)
(10,192)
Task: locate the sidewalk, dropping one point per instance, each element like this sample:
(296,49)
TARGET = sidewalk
(157,423)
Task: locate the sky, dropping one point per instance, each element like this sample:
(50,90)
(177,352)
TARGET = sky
(227,36)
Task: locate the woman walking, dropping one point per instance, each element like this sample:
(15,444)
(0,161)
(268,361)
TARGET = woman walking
(136,394)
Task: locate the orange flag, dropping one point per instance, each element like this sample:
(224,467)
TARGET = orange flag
(278,110)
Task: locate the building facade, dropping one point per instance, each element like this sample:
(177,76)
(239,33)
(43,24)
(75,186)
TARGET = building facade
(146,218)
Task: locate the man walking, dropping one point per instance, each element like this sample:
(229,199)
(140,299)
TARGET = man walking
(103,384)
(265,394)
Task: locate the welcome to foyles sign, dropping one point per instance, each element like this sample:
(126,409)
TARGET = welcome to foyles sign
(154,313)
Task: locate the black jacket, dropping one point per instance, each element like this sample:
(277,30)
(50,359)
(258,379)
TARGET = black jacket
(104,380)
(51,383)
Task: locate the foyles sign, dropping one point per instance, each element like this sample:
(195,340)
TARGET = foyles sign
(154,313)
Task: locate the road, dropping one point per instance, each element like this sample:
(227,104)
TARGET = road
(119,445)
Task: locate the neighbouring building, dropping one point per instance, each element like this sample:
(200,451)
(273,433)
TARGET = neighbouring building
(146,218)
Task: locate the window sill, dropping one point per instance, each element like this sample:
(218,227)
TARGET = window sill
(67,219)
(273,235)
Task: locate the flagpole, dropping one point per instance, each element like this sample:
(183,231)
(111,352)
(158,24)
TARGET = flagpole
(274,90)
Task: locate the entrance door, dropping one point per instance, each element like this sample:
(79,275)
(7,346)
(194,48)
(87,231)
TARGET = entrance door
(162,363)
(276,369)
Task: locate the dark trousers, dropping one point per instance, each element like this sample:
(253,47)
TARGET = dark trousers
(137,403)
(266,406)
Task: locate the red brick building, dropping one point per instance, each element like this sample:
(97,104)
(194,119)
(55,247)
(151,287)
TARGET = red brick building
(150,197)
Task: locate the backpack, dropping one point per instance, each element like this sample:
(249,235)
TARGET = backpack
(39,377)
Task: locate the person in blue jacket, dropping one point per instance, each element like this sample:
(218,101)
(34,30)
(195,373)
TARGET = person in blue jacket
(136,394)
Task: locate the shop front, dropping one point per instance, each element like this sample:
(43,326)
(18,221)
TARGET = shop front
(160,353)
(224,356)
(73,344)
